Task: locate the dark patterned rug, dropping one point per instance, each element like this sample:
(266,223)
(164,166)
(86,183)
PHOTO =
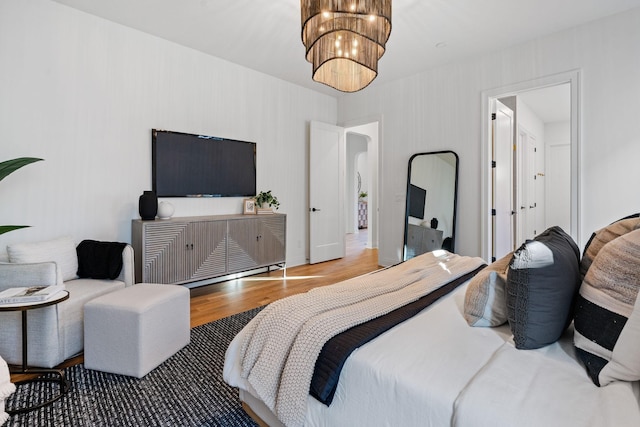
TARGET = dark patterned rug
(186,390)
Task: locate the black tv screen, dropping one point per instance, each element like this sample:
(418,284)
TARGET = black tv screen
(417,198)
(187,165)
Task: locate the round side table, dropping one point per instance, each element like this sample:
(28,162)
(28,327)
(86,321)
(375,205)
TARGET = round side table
(58,374)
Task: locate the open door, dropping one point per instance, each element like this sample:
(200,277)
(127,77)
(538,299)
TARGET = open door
(502,177)
(326,193)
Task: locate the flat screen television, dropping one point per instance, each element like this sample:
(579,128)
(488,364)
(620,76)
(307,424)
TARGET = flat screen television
(188,165)
(417,198)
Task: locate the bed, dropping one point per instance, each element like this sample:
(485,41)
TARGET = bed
(456,362)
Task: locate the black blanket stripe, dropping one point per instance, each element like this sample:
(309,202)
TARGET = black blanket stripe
(336,350)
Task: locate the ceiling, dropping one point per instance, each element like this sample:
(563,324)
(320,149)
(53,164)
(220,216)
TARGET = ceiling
(264,35)
(551,104)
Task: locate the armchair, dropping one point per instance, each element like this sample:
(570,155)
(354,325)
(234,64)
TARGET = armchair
(55,333)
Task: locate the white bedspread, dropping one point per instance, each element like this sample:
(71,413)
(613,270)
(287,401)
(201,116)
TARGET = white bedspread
(284,340)
(435,370)
(544,387)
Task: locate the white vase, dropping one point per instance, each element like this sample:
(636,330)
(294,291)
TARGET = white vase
(165,210)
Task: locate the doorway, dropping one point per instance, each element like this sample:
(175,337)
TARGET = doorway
(543,168)
(357,183)
(362,147)
(332,188)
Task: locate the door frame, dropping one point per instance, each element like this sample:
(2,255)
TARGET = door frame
(572,77)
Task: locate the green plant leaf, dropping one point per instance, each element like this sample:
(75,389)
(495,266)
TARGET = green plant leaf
(266,198)
(9,166)
(8,228)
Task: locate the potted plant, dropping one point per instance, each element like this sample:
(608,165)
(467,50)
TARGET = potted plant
(363,195)
(266,201)
(6,168)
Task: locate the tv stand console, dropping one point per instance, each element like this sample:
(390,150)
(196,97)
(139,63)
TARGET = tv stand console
(189,249)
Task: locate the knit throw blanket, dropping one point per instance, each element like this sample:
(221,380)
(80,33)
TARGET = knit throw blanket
(283,341)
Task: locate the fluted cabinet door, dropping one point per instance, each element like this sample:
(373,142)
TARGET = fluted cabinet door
(209,251)
(242,246)
(166,253)
(272,232)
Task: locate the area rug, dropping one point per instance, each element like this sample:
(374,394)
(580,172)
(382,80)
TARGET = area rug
(186,390)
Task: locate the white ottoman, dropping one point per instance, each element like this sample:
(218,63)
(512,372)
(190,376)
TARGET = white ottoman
(133,330)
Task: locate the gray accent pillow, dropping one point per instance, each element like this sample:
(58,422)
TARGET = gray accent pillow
(542,282)
(485,299)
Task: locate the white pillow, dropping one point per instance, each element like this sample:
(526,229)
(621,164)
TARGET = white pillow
(62,251)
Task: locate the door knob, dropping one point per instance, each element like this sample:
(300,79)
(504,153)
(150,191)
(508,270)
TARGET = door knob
(314,210)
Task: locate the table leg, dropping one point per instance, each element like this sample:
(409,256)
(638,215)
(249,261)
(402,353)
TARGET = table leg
(59,376)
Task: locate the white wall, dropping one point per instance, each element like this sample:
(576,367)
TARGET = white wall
(84,93)
(440,110)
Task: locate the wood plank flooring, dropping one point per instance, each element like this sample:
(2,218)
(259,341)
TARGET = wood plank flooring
(212,302)
(215,301)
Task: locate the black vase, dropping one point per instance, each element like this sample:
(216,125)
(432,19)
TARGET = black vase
(434,223)
(148,205)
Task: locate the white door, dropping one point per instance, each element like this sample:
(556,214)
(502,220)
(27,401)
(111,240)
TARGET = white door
(503,213)
(326,193)
(527,194)
(558,189)
(531,184)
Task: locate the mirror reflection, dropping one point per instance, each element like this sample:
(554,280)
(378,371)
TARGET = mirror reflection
(430,215)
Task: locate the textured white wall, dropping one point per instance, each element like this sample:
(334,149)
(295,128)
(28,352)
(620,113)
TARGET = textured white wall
(84,93)
(439,109)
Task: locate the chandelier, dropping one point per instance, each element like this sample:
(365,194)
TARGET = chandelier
(344,39)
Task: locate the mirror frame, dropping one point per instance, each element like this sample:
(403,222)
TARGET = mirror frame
(455,199)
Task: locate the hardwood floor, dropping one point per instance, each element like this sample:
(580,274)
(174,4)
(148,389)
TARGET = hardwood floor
(213,302)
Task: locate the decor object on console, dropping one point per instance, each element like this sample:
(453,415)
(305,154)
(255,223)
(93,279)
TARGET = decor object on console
(345,40)
(249,206)
(165,210)
(266,202)
(434,223)
(6,168)
(148,205)
(60,332)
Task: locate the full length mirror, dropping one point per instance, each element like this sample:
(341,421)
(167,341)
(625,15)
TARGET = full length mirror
(430,216)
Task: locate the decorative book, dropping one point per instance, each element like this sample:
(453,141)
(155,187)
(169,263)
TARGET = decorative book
(264,211)
(29,294)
